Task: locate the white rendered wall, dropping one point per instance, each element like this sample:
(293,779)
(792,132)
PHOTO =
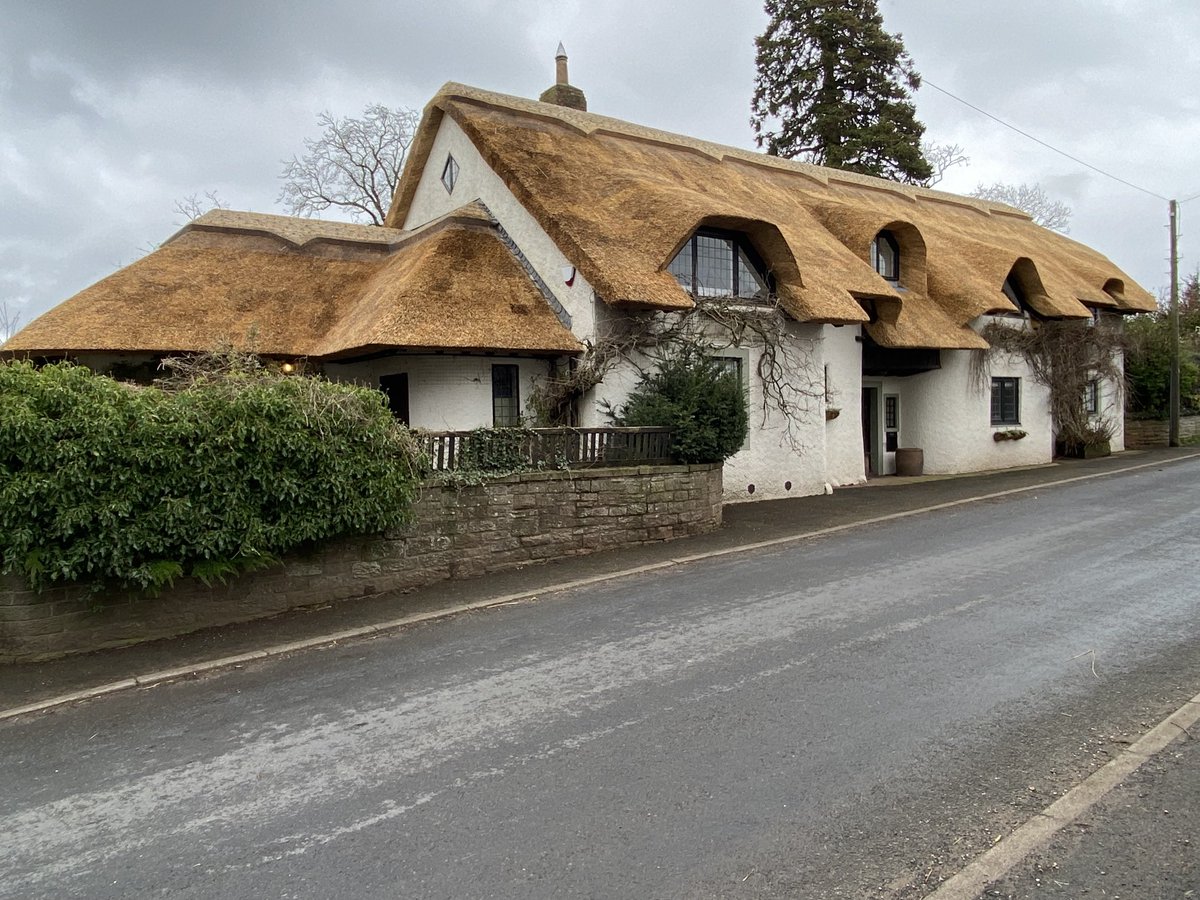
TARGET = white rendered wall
(1112,407)
(843,435)
(949,417)
(445,393)
(477,181)
(777,461)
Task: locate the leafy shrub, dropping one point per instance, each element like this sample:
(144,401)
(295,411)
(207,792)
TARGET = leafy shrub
(215,473)
(1148,368)
(702,402)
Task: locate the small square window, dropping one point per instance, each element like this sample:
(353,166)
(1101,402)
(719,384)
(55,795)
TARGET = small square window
(450,174)
(1006,401)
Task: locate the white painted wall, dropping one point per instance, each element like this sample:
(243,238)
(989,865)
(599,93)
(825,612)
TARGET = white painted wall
(843,435)
(949,417)
(445,393)
(775,460)
(1112,408)
(477,181)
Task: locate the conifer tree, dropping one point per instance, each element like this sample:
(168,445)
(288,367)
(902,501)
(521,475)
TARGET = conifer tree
(833,88)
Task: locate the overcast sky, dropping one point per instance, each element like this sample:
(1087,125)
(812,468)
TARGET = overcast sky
(112,110)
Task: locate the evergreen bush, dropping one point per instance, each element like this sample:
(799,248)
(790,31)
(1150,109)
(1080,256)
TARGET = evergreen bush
(217,472)
(702,402)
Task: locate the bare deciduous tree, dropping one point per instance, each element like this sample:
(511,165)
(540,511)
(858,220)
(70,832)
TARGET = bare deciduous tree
(194,206)
(353,166)
(10,321)
(1033,199)
(942,158)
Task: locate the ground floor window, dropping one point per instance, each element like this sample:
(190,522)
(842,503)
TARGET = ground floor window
(733,365)
(506,399)
(1091,398)
(891,423)
(1006,401)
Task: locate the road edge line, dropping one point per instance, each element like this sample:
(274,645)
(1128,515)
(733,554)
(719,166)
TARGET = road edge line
(162,675)
(997,861)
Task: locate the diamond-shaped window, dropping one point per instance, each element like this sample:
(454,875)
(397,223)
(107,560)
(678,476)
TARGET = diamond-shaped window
(450,174)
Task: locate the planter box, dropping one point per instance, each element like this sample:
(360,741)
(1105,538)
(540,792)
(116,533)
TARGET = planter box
(1083,451)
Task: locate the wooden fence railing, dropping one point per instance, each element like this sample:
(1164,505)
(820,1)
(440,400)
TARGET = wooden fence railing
(510,448)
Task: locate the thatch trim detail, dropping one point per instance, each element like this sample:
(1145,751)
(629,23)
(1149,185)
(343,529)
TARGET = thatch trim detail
(505,238)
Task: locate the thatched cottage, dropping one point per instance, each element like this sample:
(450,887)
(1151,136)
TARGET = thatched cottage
(529,241)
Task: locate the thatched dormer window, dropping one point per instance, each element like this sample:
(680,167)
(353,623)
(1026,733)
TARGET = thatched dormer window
(716,263)
(885,256)
(1016,294)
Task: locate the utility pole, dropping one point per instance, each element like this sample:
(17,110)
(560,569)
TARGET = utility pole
(1173,427)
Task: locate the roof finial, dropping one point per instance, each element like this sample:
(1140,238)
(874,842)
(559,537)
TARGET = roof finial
(560,65)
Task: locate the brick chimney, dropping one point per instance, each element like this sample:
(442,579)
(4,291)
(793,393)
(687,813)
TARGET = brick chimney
(563,93)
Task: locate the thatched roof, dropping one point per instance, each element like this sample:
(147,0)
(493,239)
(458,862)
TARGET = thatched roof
(620,199)
(298,287)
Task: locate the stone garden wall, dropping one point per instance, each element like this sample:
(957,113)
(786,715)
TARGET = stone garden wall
(1153,432)
(506,523)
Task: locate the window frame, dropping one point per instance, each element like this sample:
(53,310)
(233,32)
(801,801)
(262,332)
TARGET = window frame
(877,258)
(1091,397)
(1004,383)
(740,243)
(736,362)
(450,173)
(511,417)
(891,423)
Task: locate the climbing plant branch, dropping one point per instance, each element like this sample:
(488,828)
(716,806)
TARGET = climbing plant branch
(1064,355)
(790,383)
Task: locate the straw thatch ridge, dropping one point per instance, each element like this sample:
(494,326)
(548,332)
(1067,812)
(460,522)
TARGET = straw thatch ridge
(620,199)
(301,288)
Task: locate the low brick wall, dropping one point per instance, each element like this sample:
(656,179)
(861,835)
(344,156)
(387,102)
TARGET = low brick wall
(487,528)
(1153,432)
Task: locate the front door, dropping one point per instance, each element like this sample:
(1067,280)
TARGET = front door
(870,430)
(396,389)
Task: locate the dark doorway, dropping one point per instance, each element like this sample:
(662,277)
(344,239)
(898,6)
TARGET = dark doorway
(870,403)
(396,389)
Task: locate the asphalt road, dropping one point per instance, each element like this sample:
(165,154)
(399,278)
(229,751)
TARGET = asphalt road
(852,716)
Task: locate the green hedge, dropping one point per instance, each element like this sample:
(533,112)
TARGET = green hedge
(107,483)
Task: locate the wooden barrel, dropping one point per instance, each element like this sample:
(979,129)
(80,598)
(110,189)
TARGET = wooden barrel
(910,461)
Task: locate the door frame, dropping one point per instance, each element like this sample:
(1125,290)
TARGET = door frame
(872,427)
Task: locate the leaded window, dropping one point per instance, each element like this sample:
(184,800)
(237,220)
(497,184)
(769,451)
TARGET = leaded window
(720,264)
(506,396)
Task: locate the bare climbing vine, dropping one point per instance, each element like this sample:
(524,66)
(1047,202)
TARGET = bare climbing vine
(1064,355)
(791,384)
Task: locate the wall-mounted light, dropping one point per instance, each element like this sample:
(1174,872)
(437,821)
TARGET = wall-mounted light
(287,368)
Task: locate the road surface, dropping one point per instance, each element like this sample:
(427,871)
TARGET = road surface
(851,716)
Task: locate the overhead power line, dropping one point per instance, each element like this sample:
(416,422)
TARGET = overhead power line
(1026,134)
